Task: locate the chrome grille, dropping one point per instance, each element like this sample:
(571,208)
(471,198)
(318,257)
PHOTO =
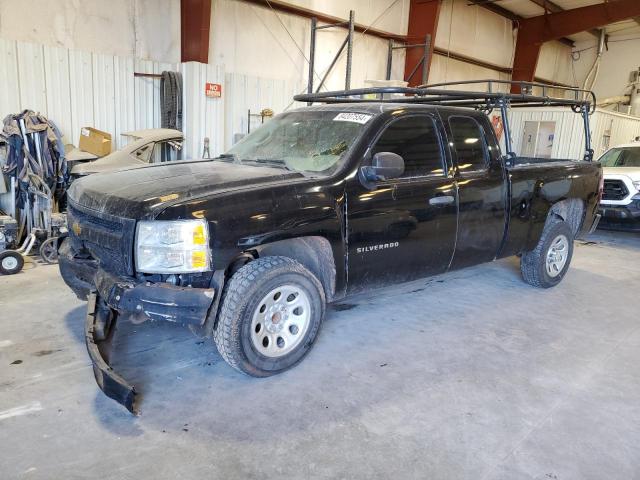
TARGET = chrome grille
(108,239)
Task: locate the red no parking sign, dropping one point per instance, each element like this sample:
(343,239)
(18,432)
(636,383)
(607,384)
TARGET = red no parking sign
(213,90)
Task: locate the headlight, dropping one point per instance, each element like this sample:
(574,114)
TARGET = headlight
(178,246)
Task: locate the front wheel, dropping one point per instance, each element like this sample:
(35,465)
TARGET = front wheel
(547,264)
(270,316)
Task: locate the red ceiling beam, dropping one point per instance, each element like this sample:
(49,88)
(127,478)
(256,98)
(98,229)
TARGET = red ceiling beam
(423,22)
(535,31)
(195,18)
(549,6)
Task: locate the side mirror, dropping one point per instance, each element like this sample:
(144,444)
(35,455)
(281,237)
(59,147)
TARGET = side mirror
(384,166)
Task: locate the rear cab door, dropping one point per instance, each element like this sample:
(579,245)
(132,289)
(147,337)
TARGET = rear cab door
(481,187)
(405,227)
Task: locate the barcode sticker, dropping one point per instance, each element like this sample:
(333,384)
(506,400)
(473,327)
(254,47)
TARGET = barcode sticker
(352,117)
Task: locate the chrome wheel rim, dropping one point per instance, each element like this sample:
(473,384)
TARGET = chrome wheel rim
(280,321)
(557,255)
(9,263)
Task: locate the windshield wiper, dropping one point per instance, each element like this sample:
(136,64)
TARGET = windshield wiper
(226,156)
(270,163)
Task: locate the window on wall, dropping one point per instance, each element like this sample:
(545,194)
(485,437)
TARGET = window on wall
(469,143)
(415,139)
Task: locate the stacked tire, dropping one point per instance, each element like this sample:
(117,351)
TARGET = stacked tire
(171,100)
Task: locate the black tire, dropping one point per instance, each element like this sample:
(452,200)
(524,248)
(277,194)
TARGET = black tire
(49,250)
(11,262)
(243,295)
(533,264)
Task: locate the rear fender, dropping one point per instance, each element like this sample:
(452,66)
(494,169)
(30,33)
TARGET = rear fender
(570,210)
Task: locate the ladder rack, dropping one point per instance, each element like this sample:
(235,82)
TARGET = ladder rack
(444,95)
(486,99)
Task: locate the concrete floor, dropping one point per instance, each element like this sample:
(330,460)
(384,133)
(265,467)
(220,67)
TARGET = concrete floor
(470,375)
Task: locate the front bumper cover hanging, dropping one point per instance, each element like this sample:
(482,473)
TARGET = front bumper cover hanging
(99,329)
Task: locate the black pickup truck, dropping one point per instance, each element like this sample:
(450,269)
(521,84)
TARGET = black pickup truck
(319,203)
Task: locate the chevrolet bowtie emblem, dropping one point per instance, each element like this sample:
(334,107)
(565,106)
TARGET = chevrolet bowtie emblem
(77,229)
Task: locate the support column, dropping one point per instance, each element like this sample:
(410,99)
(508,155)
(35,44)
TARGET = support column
(195,19)
(423,21)
(535,31)
(525,60)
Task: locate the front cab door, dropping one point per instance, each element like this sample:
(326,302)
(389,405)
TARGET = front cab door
(403,228)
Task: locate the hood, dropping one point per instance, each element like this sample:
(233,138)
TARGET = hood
(632,172)
(144,192)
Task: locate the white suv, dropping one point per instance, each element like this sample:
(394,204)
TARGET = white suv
(620,204)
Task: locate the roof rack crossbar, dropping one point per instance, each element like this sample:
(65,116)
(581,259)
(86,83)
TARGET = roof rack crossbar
(441,94)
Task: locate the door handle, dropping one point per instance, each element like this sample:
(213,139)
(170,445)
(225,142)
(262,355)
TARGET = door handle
(442,200)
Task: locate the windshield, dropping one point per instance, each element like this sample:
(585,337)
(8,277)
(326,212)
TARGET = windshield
(306,141)
(621,157)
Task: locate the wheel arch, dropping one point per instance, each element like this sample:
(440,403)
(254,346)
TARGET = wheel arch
(570,210)
(313,252)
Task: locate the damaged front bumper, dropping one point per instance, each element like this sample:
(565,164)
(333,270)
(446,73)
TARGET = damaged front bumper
(156,301)
(99,329)
(152,300)
(115,296)
(110,296)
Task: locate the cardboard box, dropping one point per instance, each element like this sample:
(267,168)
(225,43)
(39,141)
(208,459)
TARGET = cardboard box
(95,141)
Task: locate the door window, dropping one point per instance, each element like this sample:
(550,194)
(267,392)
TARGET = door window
(416,140)
(166,151)
(144,153)
(161,151)
(469,143)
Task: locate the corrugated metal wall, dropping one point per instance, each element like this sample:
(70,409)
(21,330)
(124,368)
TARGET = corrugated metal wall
(618,127)
(202,116)
(77,89)
(246,93)
(569,135)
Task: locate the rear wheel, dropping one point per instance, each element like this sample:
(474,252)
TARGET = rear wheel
(270,316)
(547,264)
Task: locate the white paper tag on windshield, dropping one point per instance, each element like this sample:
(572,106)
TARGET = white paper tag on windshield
(352,117)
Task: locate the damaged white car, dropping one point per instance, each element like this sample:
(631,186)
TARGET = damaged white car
(149,146)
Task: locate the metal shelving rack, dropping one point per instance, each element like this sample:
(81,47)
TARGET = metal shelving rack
(348,43)
(423,62)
